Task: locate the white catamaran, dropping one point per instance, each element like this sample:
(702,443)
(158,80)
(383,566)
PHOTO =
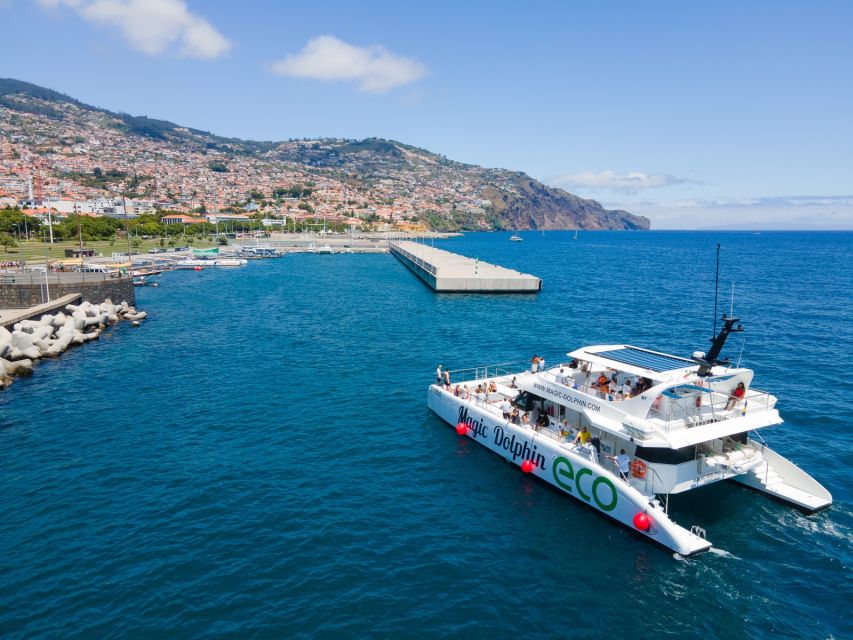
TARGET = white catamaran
(621,428)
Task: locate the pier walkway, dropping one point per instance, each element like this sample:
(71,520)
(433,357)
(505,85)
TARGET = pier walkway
(8,317)
(448,272)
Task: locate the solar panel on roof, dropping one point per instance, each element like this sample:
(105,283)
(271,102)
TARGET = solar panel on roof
(646,359)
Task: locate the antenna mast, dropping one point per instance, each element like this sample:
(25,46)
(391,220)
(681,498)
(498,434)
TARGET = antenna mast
(716,291)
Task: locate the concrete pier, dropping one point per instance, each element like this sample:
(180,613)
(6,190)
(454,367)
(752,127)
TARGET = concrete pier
(448,272)
(8,317)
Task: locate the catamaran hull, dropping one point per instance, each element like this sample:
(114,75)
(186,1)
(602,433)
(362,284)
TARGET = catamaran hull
(565,469)
(782,480)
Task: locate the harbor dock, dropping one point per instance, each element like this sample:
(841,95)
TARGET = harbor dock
(447,272)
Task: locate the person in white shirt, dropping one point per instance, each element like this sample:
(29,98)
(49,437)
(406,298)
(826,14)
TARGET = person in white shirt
(506,408)
(627,389)
(623,461)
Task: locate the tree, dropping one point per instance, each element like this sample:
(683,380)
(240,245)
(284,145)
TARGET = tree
(7,241)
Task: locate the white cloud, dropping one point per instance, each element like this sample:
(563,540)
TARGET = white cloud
(374,68)
(629,182)
(153,26)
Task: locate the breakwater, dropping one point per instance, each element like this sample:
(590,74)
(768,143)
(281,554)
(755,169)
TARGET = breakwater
(447,272)
(52,334)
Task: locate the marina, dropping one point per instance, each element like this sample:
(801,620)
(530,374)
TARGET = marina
(447,272)
(182,450)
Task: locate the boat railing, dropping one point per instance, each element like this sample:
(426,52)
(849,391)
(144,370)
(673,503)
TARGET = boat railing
(686,412)
(587,386)
(503,370)
(648,483)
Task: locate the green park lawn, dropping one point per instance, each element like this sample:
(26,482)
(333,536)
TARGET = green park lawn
(34,251)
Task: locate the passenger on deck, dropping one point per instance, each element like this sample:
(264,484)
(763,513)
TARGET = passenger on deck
(512,384)
(447,379)
(623,462)
(506,408)
(514,417)
(438,375)
(493,387)
(736,395)
(583,436)
(534,363)
(466,395)
(627,389)
(457,391)
(534,415)
(480,394)
(525,420)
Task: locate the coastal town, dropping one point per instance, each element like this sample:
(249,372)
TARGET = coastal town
(85,163)
(59,157)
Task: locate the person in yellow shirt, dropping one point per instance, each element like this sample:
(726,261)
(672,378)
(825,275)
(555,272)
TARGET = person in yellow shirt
(583,436)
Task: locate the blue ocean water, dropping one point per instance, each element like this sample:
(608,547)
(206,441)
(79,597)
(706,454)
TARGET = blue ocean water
(257,460)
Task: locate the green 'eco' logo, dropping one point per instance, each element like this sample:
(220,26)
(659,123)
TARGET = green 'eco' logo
(564,472)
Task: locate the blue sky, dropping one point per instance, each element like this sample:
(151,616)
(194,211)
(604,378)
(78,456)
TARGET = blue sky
(697,116)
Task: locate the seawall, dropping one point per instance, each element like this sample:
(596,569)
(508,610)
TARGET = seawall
(20,290)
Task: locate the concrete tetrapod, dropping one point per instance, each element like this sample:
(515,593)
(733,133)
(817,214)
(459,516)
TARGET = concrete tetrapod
(52,334)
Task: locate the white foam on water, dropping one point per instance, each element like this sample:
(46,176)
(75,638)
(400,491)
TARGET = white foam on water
(722,553)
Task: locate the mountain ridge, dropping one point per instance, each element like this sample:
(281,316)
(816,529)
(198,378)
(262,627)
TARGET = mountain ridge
(394,178)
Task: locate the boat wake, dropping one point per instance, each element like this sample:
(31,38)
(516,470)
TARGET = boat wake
(723,553)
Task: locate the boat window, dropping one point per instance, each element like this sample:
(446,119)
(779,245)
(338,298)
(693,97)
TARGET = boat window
(525,401)
(666,456)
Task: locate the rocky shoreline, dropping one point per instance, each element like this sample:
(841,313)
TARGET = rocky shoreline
(52,334)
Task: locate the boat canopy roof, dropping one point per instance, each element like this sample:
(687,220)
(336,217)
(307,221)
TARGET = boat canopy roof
(636,360)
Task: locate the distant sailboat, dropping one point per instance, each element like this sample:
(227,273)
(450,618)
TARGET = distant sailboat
(515,238)
(576,233)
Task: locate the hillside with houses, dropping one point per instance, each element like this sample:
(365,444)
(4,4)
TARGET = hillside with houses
(59,157)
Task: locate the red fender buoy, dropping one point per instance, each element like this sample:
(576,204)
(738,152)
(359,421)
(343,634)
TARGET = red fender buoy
(527,466)
(461,428)
(642,522)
